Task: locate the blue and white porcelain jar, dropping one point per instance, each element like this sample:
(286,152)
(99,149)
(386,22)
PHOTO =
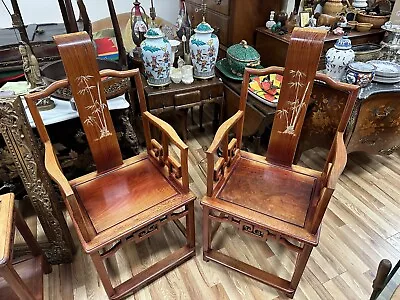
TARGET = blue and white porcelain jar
(156,55)
(204,46)
(338,58)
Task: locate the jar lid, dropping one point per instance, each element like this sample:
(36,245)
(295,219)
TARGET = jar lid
(243,52)
(204,27)
(362,67)
(343,43)
(154,33)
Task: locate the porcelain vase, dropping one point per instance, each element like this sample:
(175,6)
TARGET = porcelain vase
(204,46)
(338,58)
(156,55)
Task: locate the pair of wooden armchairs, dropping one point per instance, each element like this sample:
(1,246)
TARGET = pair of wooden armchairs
(128,201)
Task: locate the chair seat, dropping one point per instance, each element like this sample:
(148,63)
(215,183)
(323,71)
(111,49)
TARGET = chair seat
(133,194)
(269,189)
(271,196)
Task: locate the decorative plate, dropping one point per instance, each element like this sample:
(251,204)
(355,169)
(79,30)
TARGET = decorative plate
(225,69)
(266,88)
(386,68)
(381,79)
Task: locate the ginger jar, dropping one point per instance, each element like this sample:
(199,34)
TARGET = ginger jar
(204,46)
(338,58)
(156,55)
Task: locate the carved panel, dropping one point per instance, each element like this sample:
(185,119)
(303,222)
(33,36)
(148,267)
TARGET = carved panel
(28,160)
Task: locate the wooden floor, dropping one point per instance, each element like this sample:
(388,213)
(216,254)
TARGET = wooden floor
(361,227)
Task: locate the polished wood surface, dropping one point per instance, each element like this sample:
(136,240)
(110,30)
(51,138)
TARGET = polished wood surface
(83,75)
(273,47)
(298,81)
(271,198)
(123,202)
(247,187)
(20,278)
(361,227)
(127,191)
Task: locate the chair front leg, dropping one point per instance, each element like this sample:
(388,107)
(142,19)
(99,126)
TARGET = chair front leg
(190,227)
(206,232)
(301,262)
(103,274)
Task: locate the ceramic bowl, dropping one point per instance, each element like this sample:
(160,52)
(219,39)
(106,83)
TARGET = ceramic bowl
(360,73)
(241,56)
(363,27)
(376,21)
(352,24)
(366,52)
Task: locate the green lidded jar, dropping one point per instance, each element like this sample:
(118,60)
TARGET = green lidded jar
(241,56)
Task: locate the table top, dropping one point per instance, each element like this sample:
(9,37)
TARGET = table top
(63,110)
(6,219)
(180,87)
(329,38)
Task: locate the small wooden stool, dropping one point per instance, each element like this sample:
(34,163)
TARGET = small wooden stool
(23,277)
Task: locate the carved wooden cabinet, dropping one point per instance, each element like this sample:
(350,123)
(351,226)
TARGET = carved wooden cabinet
(233,20)
(374,125)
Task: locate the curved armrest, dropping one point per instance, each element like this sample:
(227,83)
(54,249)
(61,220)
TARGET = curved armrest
(54,171)
(339,161)
(167,129)
(223,131)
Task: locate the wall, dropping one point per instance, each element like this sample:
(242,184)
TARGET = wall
(47,11)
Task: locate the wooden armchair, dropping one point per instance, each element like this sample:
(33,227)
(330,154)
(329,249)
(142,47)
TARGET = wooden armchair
(124,201)
(20,278)
(270,198)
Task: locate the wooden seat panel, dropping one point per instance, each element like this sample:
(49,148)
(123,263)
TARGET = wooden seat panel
(30,271)
(118,195)
(269,189)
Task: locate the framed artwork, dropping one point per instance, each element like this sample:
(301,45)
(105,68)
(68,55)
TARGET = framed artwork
(304,18)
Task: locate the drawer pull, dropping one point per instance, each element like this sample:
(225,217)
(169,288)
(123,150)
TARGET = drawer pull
(218,2)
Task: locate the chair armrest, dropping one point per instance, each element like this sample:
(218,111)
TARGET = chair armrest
(53,169)
(167,129)
(338,162)
(223,130)
(230,152)
(179,170)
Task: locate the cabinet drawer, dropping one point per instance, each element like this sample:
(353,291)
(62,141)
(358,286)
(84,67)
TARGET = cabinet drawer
(221,6)
(219,22)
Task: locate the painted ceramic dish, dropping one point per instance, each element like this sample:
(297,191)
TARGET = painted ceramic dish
(360,73)
(266,88)
(386,68)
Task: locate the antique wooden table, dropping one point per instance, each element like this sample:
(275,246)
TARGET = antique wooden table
(273,47)
(180,97)
(374,125)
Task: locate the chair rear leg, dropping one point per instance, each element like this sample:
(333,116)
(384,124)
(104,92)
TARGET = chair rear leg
(103,274)
(206,232)
(301,262)
(190,226)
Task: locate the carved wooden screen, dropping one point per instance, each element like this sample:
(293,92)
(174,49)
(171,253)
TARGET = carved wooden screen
(83,75)
(301,65)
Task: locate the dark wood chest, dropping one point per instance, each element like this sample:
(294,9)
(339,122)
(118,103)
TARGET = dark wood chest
(233,20)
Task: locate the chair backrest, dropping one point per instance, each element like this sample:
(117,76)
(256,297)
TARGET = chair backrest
(82,72)
(298,79)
